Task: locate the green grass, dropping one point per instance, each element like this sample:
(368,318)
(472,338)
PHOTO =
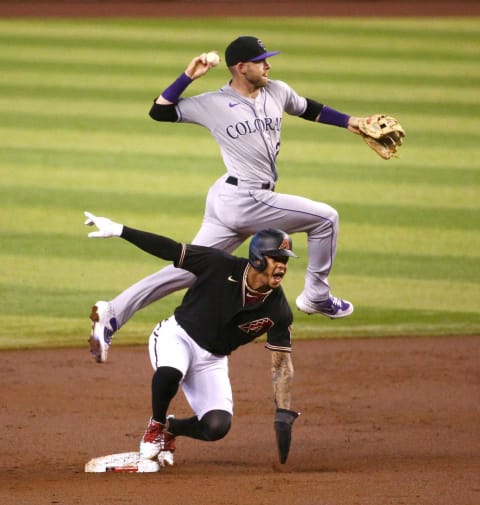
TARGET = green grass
(75,136)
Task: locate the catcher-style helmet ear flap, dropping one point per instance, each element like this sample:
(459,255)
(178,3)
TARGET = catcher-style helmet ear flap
(270,242)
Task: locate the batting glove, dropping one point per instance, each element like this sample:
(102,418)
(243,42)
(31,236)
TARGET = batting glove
(283,423)
(106,227)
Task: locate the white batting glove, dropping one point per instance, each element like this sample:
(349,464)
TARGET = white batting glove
(106,227)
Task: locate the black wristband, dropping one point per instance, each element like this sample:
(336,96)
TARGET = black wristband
(285,416)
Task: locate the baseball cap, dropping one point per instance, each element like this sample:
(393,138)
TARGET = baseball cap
(246,48)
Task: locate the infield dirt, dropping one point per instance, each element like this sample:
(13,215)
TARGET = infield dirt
(384,422)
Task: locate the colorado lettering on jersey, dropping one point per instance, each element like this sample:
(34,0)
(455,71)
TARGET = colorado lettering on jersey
(257,327)
(258,125)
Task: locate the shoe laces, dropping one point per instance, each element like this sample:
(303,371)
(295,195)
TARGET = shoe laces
(153,433)
(156,434)
(336,302)
(168,442)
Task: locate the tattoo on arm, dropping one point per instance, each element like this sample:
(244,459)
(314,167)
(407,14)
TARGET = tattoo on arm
(282,378)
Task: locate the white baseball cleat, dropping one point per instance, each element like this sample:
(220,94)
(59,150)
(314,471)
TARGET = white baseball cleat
(332,307)
(104,326)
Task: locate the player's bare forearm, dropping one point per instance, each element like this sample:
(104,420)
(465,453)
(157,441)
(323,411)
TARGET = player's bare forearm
(282,378)
(353,125)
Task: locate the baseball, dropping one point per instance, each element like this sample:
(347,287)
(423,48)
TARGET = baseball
(213,58)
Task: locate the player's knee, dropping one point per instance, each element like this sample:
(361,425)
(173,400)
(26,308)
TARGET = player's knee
(216,424)
(326,222)
(331,215)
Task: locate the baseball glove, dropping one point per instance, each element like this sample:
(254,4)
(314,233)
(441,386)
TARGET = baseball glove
(382,133)
(283,430)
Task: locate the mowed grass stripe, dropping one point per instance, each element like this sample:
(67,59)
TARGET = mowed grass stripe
(68,167)
(349,262)
(142,123)
(417,68)
(362,98)
(393,241)
(349,192)
(411,294)
(143,54)
(143,143)
(110,141)
(331,36)
(57,160)
(457,74)
(386,215)
(34,110)
(405,293)
(58,199)
(299,28)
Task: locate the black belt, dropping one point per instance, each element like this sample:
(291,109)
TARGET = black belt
(234,181)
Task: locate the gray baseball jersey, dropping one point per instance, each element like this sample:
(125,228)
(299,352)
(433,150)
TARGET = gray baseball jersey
(248,134)
(247,130)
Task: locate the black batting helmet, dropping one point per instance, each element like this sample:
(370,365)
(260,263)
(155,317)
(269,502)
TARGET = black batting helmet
(272,242)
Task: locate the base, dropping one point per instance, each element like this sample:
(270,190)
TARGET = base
(127,462)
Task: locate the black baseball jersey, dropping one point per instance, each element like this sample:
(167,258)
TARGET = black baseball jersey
(216,311)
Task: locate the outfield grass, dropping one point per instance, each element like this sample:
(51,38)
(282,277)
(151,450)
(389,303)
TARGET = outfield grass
(75,136)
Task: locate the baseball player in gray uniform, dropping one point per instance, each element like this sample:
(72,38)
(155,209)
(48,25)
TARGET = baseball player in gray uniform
(245,117)
(231,303)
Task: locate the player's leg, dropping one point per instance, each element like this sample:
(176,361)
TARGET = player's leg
(320,221)
(109,316)
(214,411)
(177,359)
(157,436)
(208,391)
(213,425)
(170,358)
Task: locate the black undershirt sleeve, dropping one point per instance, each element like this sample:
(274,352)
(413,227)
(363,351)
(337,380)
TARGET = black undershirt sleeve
(312,111)
(157,245)
(166,113)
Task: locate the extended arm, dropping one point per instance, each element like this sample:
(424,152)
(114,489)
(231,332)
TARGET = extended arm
(163,108)
(324,114)
(157,245)
(382,133)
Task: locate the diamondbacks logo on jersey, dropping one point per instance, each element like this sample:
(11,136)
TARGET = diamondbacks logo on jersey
(257,327)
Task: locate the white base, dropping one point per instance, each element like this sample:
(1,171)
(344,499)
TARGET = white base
(128,462)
